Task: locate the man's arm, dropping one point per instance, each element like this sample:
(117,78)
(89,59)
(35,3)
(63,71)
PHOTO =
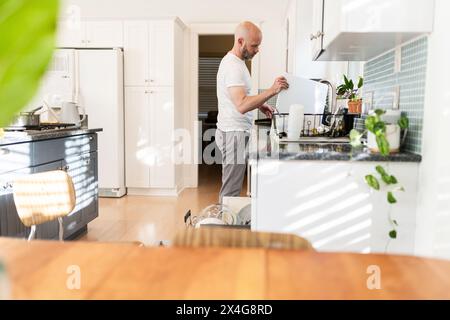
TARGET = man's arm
(246,103)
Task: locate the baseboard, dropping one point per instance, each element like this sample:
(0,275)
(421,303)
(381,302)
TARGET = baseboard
(153,192)
(112,193)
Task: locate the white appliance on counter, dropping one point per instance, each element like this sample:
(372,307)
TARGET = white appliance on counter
(93,79)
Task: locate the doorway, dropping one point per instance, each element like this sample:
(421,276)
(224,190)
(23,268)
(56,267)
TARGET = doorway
(212,49)
(197,32)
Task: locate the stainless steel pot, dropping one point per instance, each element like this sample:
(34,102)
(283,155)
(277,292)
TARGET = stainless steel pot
(27,119)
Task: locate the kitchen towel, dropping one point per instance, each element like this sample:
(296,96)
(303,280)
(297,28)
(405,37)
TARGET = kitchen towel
(295,123)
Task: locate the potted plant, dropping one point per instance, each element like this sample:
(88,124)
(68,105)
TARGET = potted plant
(382,180)
(348,91)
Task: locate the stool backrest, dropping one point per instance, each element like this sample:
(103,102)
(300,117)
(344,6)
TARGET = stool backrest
(43,197)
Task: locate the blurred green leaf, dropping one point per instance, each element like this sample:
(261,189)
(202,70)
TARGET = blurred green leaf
(395,222)
(379,128)
(393,180)
(373,182)
(393,234)
(386,178)
(389,179)
(355,138)
(403,122)
(346,81)
(27,40)
(380,112)
(391,198)
(370,123)
(383,145)
(381,170)
(360,82)
(351,85)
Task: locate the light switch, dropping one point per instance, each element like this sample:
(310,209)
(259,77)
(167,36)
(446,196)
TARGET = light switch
(398,60)
(396,98)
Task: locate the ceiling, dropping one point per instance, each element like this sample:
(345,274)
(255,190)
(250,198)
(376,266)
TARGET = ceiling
(187,10)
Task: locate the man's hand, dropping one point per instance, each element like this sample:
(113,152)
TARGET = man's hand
(279,85)
(267,110)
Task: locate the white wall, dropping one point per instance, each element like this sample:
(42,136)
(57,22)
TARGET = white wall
(433,221)
(268,13)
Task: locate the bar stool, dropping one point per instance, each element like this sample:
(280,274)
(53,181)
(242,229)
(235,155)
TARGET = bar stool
(44,197)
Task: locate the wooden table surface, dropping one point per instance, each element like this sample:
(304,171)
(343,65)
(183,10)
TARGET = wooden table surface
(39,270)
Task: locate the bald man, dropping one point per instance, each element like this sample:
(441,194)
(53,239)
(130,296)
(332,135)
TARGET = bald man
(235,105)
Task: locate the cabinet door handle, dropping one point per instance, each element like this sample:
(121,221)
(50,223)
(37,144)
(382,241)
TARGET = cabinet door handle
(65,168)
(91,138)
(316,36)
(7,186)
(4,151)
(249,180)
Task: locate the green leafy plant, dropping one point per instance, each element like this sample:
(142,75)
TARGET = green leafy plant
(377,126)
(27,40)
(347,90)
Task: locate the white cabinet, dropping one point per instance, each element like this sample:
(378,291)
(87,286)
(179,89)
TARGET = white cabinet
(136,53)
(137,137)
(104,34)
(329,203)
(317,29)
(149,53)
(153,104)
(348,30)
(90,34)
(162,171)
(149,120)
(71,34)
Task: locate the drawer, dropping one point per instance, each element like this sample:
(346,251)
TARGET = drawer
(15,157)
(58,149)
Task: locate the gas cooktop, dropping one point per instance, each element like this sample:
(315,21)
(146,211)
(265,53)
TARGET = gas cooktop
(43,128)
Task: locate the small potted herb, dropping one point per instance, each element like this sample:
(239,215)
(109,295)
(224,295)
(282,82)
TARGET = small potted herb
(348,91)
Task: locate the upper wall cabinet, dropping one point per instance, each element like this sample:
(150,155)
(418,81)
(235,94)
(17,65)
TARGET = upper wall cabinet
(90,34)
(357,30)
(149,53)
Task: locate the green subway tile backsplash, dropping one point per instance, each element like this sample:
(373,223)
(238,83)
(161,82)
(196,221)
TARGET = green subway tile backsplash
(380,79)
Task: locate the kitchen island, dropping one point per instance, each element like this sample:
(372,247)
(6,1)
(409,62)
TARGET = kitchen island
(73,150)
(318,191)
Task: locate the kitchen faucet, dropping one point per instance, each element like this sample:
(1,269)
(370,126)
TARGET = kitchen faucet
(332,103)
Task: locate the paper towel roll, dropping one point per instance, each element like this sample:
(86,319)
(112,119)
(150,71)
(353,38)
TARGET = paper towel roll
(295,123)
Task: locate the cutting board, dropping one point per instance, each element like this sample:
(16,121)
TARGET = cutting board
(311,94)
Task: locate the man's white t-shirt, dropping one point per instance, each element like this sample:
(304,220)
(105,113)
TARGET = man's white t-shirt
(232,73)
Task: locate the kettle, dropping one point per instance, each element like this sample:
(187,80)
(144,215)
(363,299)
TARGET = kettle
(68,113)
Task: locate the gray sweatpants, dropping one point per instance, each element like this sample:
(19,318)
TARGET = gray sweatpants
(232,146)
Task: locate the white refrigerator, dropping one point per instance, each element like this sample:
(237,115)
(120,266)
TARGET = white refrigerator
(93,78)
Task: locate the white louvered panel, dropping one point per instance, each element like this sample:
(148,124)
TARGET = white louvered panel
(208,68)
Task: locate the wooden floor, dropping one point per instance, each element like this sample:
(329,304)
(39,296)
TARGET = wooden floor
(152,219)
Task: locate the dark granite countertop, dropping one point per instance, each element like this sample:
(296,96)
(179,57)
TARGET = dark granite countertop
(269,148)
(21,137)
